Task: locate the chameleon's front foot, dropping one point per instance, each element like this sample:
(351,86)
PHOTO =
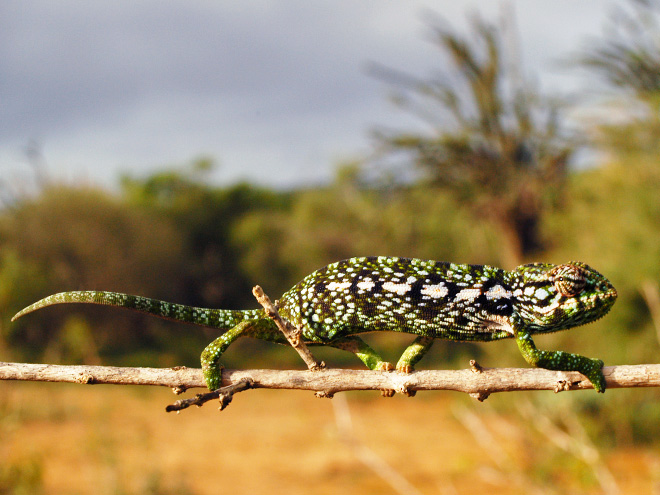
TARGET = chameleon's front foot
(594,372)
(591,368)
(385,366)
(405,368)
(413,353)
(562,361)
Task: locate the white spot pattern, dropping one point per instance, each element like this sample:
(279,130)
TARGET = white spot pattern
(366,284)
(541,294)
(498,292)
(400,289)
(436,291)
(341,286)
(468,294)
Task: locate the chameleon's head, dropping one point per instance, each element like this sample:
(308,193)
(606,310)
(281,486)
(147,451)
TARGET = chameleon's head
(557,297)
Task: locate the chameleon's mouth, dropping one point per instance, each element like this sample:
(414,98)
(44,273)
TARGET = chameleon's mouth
(608,298)
(611,293)
(607,291)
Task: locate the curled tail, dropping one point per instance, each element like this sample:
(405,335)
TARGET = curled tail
(214,318)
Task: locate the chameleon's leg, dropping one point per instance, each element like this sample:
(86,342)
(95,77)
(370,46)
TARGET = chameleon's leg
(562,361)
(413,353)
(210,358)
(361,349)
(411,356)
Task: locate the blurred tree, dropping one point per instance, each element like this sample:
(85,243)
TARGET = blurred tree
(87,238)
(351,218)
(494,143)
(627,58)
(620,199)
(77,238)
(205,217)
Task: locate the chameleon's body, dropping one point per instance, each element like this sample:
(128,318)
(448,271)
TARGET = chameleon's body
(427,298)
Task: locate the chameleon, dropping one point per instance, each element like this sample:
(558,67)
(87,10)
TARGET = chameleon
(429,299)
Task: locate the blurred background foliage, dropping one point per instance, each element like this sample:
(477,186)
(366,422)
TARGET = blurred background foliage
(493,179)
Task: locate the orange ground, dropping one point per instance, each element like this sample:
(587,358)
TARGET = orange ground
(119,440)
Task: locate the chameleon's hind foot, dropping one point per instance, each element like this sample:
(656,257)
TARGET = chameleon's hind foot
(213,376)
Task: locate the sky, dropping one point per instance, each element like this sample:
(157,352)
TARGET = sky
(277,92)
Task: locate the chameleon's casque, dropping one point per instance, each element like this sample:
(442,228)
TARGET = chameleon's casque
(430,299)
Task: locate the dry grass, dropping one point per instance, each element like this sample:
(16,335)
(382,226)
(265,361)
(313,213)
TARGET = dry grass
(68,439)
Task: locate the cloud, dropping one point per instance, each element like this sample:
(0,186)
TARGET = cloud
(276,90)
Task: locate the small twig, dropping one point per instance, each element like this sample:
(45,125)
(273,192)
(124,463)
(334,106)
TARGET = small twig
(225,394)
(292,334)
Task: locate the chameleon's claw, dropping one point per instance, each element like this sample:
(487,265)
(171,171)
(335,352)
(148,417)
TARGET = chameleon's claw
(385,366)
(405,368)
(409,392)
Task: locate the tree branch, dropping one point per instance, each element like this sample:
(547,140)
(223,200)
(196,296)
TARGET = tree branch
(329,381)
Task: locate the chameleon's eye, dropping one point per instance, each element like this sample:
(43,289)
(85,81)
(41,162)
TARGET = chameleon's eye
(569,280)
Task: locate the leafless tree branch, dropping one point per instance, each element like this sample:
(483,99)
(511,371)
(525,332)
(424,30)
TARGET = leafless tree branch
(327,382)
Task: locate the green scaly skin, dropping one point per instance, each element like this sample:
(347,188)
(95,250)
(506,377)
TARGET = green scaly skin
(431,299)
